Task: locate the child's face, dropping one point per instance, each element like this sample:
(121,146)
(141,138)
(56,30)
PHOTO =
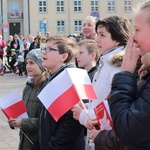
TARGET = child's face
(142,31)
(52,60)
(32,68)
(104,40)
(84,59)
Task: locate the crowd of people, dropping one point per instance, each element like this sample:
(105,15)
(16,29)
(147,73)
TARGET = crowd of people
(117,60)
(18,46)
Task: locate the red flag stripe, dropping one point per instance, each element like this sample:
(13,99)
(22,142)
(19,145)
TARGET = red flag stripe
(64,103)
(15,110)
(86,91)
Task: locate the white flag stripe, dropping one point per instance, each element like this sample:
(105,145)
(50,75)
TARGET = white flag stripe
(24,115)
(9,99)
(55,88)
(78,76)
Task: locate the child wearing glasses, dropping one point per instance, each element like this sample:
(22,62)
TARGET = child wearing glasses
(66,133)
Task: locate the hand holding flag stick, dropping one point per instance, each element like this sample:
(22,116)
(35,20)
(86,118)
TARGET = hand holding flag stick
(66,90)
(13,106)
(84,107)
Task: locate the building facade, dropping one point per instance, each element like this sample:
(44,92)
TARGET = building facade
(57,16)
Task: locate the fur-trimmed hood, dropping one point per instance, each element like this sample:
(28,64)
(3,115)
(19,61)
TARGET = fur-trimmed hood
(117,58)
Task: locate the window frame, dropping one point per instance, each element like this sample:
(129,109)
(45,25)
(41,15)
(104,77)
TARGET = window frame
(127,6)
(94,7)
(111,6)
(77,6)
(43,6)
(78,26)
(60,26)
(60,6)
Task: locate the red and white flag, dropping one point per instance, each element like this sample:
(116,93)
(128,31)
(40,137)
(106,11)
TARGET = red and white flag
(13,106)
(66,90)
(102,112)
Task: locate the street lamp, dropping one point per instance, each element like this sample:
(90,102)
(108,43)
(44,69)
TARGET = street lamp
(45,25)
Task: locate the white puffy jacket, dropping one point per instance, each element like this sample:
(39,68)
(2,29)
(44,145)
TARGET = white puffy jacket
(102,82)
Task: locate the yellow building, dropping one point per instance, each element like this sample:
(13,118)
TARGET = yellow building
(57,16)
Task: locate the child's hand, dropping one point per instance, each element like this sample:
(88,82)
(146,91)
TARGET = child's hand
(91,123)
(15,122)
(76,111)
(131,56)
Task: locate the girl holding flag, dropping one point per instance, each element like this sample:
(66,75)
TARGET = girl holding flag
(36,76)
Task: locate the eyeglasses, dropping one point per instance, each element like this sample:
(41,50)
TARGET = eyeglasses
(48,49)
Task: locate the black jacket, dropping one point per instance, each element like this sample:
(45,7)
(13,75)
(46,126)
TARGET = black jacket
(32,46)
(130,111)
(66,134)
(15,42)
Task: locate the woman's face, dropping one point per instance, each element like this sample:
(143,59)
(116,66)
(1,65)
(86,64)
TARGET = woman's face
(142,31)
(104,40)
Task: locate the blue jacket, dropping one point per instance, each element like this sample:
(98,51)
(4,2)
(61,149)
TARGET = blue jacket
(130,110)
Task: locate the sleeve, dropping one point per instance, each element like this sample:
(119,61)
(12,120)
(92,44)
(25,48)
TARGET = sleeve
(29,124)
(108,140)
(83,118)
(130,114)
(68,131)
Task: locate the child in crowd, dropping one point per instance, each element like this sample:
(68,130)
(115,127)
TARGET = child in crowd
(66,133)
(129,103)
(13,60)
(112,35)
(87,56)
(19,64)
(29,126)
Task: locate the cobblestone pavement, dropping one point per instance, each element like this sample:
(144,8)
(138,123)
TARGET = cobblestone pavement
(9,138)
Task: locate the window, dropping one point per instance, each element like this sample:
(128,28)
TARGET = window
(77,5)
(60,5)
(94,5)
(14,10)
(77,26)
(42,6)
(60,26)
(111,5)
(127,5)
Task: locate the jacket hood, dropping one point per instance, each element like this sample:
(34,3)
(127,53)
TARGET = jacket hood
(117,58)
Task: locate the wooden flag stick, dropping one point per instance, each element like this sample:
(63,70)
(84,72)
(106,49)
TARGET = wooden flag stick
(85,108)
(26,137)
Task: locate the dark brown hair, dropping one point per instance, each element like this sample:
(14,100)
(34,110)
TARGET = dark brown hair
(119,28)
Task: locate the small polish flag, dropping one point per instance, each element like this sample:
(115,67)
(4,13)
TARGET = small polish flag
(66,90)
(13,106)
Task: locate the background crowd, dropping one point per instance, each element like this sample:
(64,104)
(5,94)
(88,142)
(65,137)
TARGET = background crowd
(116,59)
